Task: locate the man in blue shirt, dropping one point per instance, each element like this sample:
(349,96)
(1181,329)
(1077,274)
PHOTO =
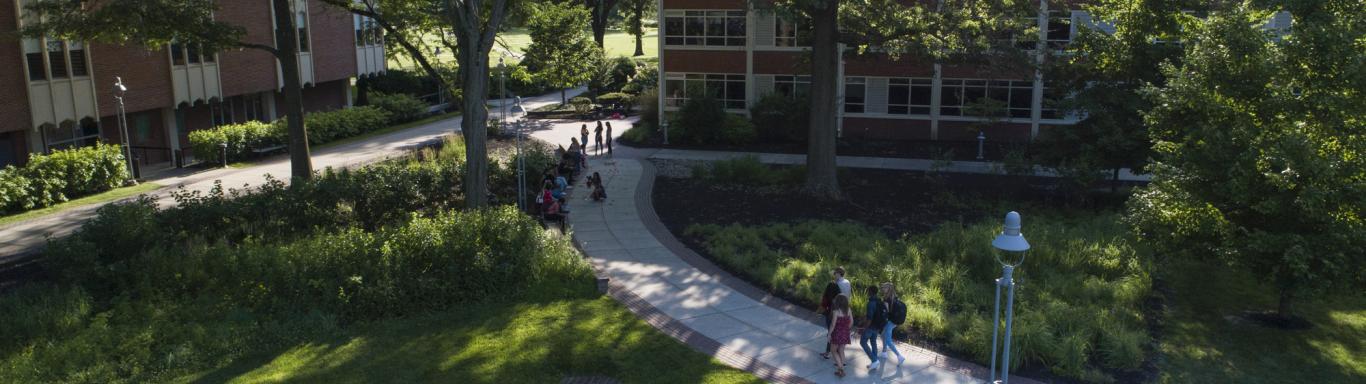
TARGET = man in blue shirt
(875,317)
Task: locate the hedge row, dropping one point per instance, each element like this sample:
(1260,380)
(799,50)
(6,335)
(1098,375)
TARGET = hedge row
(61,176)
(323,127)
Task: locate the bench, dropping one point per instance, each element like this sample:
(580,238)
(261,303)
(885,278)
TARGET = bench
(545,221)
(264,150)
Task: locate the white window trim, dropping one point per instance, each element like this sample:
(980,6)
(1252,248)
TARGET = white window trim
(663,37)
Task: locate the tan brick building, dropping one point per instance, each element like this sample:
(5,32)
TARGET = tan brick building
(59,94)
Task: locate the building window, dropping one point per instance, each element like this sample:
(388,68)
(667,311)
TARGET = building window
(177,53)
(909,96)
(705,28)
(56,59)
(302,23)
(221,113)
(1014,97)
(729,89)
(69,135)
(33,55)
(854,88)
(792,86)
(792,34)
(192,52)
(1059,30)
(1049,109)
(75,50)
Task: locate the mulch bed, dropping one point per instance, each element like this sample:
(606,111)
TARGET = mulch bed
(902,149)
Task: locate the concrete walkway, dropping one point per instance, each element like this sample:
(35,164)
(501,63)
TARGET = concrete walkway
(22,239)
(691,299)
(984,167)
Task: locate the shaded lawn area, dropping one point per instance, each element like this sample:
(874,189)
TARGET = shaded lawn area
(107,196)
(615,43)
(1206,338)
(530,342)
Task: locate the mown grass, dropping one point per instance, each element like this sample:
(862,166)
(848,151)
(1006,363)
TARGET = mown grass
(107,196)
(615,43)
(526,342)
(1205,338)
(1078,310)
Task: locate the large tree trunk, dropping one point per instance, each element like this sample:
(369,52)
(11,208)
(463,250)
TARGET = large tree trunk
(474,76)
(825,56)
(637,12)
(300,165)
(600,10)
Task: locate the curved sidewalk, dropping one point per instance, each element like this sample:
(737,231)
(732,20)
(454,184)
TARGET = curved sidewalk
(696,302)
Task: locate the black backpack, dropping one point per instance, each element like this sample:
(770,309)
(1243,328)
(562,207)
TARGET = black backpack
(897,313)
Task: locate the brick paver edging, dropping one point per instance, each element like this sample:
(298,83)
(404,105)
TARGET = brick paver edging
(644,204)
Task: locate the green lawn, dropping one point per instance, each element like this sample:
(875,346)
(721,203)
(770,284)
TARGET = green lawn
(615,43)
(1205,340)
(534,342)
(108,196)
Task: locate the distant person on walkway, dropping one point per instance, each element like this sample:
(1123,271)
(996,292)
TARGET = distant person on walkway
(554,212)
(599,191)
(845,288)
(827,305)
(561,188)
(609,139)
(597,138)
(896,315)
(583,134)
(843,319)
(576,154)
(874,319)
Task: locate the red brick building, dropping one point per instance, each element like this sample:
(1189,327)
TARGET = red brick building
(745,54)
(58,94)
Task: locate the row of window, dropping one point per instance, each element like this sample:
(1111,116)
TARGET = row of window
(181,54)
(905,96)
(368,32)
(727,29)
(55,59)
(238,109)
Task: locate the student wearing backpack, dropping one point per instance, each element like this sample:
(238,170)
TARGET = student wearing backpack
(896,315)
(875,318)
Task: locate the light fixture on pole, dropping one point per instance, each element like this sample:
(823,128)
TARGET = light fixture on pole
(1010,240)
(119,91)
(520,112)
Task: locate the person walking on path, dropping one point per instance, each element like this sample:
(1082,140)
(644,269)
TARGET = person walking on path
(609,139)
(845,288)
(598,139)
(896,315)
(839,331)
(873,321)
(827,307)
(583,137)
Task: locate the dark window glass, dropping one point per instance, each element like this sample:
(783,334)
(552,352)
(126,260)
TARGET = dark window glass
(192,51)
(716,28)
(951,99)
(898,95)
(36,68)
(1021,98)
(303,39)
(76,51)
(735,90)
(853,95)
(56,59)
(920,94)
(1001,94)
(735,29)
(1059,31)
(673,26)
(177,54)
(210,57)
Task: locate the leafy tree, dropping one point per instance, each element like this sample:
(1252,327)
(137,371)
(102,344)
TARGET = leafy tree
(601,13)
(406,25)
(560,51)
(1260,147)
(476,24)
(636,12)
(155,23)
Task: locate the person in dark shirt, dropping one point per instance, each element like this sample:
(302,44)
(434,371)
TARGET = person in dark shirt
(874,318)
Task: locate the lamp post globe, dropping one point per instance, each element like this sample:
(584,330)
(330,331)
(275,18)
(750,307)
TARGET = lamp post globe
(1011,239)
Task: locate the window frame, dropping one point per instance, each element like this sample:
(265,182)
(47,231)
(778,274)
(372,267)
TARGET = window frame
(799,85)
(796,35)
(705,28)
(677,84)
(861,106)
(910,85)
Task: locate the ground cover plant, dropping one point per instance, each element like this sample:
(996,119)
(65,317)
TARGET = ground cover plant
(371,261)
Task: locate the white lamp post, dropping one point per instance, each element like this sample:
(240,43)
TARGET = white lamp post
(1010,240)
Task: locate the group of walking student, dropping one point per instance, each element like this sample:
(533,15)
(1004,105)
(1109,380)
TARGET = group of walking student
(883,313)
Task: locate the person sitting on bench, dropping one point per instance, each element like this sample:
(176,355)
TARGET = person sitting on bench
(552,213)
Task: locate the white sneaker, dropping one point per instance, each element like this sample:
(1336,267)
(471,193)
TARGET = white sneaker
(875,365)
(900,359)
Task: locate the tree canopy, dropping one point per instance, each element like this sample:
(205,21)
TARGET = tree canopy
(561,52)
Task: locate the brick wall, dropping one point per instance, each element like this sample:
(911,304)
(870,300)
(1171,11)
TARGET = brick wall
(13,79)
(782,63)
(325,96)
(886,129)
(881,65)
(704,61)
(967,131)
(249,70)
(334,42)
(147,74)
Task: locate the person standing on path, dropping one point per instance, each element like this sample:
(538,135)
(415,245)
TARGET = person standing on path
(845,288)
(827,306)
(896,315)
(609,139)
(583,137)
(873,321)
(839,331)
(598,139)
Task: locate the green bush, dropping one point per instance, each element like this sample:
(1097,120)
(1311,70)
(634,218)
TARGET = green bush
(778,117)
(737,130)
(748,170)
(60,176)
(581,104)
(241,139)
(1078,307)
(618,98)
(648,101)
(400,107)
(325,127)
(646,78)
(701,120)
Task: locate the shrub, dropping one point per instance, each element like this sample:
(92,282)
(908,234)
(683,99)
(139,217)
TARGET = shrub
(62,175)
(581,104)
(401,108)
(639,133)
(324,127)
(617,98)
(241,139)
(737,130)
(778,117)
(700,121)
(748,170)
(649,108)
(647,77)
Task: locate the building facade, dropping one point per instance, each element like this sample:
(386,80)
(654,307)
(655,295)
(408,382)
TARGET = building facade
(60,94)
(743,54)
